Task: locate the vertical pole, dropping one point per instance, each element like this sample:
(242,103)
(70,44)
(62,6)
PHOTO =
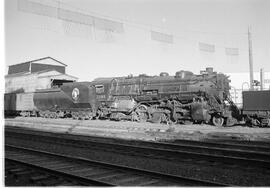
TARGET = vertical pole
(250,59)
(262,78)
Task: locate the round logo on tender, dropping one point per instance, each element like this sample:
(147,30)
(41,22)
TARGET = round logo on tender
(75,93)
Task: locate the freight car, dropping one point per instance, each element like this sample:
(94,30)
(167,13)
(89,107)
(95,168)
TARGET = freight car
(256,107)
(184,97)
(19,104)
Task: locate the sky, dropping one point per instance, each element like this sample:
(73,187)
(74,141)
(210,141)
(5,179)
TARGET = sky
(90,52)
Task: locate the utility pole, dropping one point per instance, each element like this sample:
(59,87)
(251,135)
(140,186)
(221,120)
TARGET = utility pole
(262,78)
(250,59)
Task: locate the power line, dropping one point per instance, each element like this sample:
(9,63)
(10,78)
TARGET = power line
(126,21)
(149,27)
(145,27)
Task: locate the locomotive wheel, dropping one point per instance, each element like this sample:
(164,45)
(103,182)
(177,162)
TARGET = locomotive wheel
(166,119)
(53,115)
(25,114)
(255,122)
(90,117)
(134,116)
(142,113)
(46,115)
(157,117)
(218,121)
(160,118)
(81,116)
(231,121)
(50,115)
(42,114)
(75,115)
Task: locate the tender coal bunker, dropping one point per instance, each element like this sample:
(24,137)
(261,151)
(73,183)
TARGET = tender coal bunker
(59,82)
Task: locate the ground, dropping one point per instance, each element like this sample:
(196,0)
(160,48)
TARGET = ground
(142,131)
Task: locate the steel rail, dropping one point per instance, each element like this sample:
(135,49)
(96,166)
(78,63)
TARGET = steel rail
(173,178)
(246,158)
(236,145)
(249,145)
(82,180)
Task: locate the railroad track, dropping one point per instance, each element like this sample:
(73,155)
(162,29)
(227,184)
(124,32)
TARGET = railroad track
(90,172)
(20,174)
(227,154)
(235,145)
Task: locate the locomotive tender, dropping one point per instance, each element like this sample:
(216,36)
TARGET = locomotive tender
(182,98)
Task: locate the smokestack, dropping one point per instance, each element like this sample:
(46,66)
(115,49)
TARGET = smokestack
(262,78)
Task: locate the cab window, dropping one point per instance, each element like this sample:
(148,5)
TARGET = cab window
(99,88)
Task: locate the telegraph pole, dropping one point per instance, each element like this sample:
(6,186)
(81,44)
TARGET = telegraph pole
(250,59)
(262,78)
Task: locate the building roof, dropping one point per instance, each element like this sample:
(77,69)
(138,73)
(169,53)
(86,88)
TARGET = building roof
(40,59)
(59,75)
(26,73)
(39,72)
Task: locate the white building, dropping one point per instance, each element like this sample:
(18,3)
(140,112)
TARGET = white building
(42,73)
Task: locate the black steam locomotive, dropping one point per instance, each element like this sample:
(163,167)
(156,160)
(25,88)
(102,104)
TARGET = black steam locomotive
(182,98)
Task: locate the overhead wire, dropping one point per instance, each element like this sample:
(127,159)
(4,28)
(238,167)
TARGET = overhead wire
(151,27)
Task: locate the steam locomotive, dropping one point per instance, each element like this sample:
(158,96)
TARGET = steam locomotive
(182,98)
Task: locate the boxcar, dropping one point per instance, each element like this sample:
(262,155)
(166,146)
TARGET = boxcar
(19,103)
(256,105)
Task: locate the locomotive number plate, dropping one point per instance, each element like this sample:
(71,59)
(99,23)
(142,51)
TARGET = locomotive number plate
(75,94)
(101,97)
